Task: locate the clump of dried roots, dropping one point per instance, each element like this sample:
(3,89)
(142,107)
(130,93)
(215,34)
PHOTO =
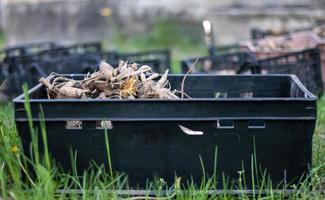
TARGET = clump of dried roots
(126,81)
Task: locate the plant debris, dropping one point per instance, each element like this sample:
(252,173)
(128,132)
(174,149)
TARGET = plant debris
(126,81)
(291,42)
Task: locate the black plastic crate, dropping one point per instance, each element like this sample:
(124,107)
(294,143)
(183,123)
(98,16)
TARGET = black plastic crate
(257,33)
(271,115)
(306,65)
(3,96)
(28,67)
(29,49)
(82,64)
(54,53)
(159,60)
(25,52)
(2,76)
(110,57)
(229,64)
(31,72)
(74,59)
(76,49)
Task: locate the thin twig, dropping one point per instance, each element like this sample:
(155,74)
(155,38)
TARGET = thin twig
(183,81)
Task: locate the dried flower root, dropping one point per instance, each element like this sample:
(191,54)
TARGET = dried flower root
(126,81)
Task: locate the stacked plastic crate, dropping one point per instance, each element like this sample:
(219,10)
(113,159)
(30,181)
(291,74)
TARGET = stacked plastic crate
(27,63)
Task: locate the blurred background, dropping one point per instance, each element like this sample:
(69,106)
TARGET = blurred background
(143,24)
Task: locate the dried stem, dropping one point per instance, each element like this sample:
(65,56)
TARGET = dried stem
(183,81)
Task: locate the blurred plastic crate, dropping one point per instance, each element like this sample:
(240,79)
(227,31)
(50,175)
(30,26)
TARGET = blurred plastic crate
(109,56)
(3,96)
(222,50)
(82,48)
(31,72)
(295,42)
(77,49)
(16,64)
(10,55)
(321,48)
(229,64)
(54,53)
(257,33)
(77,59)
(81,64)
(274,46)
(2,75)
(29,49)
(306,65)
(233,117)
(159,60)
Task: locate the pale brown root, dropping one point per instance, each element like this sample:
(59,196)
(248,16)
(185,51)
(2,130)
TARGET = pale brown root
(72,92)
(153,76)
(163,79)
(70,83)
(106,69)
(100,85)
(143,78)
(45,82)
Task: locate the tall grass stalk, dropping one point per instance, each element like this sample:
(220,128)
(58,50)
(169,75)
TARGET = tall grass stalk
(108,154)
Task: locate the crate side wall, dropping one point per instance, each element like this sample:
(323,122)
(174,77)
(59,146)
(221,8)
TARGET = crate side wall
(156,148)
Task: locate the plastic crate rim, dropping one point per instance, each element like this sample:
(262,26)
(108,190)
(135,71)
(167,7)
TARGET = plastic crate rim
(307,97)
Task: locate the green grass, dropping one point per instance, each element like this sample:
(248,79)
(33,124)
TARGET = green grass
(97,181)
(2,40)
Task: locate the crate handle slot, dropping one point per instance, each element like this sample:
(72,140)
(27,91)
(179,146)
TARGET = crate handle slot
(189,131)
(73,124)
(256,124)
(225,124)
(104,124)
